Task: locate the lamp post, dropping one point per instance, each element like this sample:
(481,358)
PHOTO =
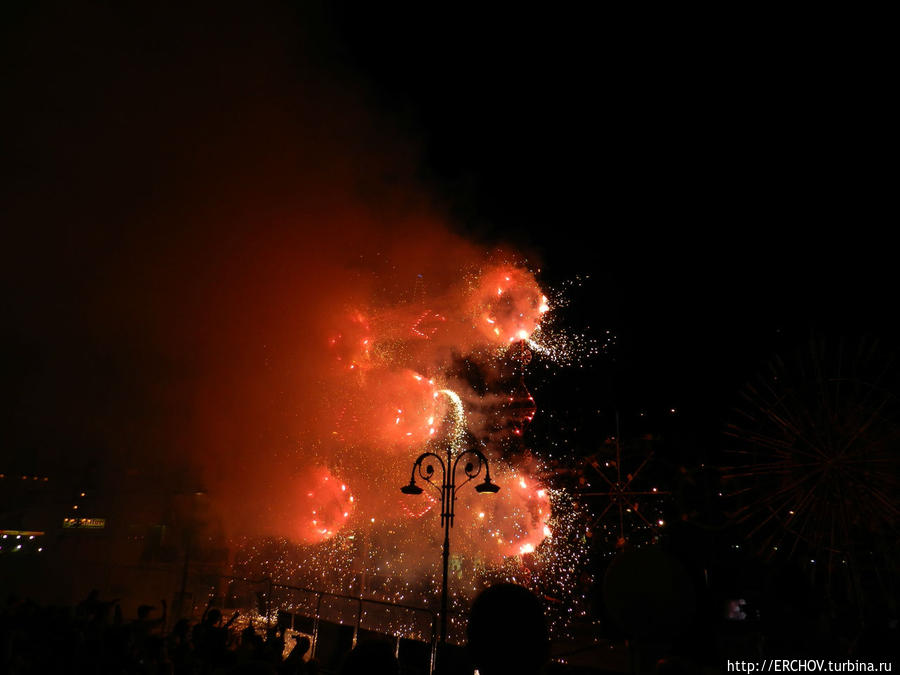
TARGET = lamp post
(424,465)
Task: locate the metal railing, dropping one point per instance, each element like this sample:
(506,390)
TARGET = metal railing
(358,600)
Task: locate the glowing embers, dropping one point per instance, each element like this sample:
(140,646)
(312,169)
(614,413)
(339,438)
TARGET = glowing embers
(427,324)
(326,505)
(352,344)
(507,304)
(416,508)
(519,409)
(411,408)
(512,522)
(391,411)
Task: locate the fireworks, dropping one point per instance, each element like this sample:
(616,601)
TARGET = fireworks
(816,462)
(395,388)
(507,305)
(378,563)
(326,508)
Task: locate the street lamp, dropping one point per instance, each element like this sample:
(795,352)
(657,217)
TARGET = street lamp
(424,465)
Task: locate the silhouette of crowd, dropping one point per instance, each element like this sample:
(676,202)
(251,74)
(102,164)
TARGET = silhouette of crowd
(94,638)
(507,635)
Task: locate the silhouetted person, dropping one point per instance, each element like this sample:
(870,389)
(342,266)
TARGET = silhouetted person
(211,638)
(144,626)
(155,659)
(179,646)
(274,646)
(371,658)
(86,608)
(507,632)
(251,646)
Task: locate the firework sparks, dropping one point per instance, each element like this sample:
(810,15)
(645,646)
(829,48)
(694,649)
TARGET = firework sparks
(394,391)
(816,469)
(507,305)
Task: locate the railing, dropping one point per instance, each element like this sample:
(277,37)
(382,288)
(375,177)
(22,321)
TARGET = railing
(358,600)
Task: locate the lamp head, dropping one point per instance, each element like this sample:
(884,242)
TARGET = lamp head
(411,489)
(487,487)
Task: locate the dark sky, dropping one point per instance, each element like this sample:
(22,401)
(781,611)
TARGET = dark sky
(720,179)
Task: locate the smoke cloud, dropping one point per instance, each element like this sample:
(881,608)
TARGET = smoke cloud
(221,273)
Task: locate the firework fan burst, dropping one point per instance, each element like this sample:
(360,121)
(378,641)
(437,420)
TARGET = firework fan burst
(815,465)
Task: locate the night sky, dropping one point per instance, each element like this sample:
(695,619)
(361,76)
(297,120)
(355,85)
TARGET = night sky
(718,181)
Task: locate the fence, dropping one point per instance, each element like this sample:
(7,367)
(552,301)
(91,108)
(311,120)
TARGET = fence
(336,622)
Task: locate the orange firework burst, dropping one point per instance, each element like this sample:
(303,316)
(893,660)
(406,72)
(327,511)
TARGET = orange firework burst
(392,387)
(351,345)
(507,305)
(327,505)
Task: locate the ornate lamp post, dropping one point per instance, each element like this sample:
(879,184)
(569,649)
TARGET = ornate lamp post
(424,465)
